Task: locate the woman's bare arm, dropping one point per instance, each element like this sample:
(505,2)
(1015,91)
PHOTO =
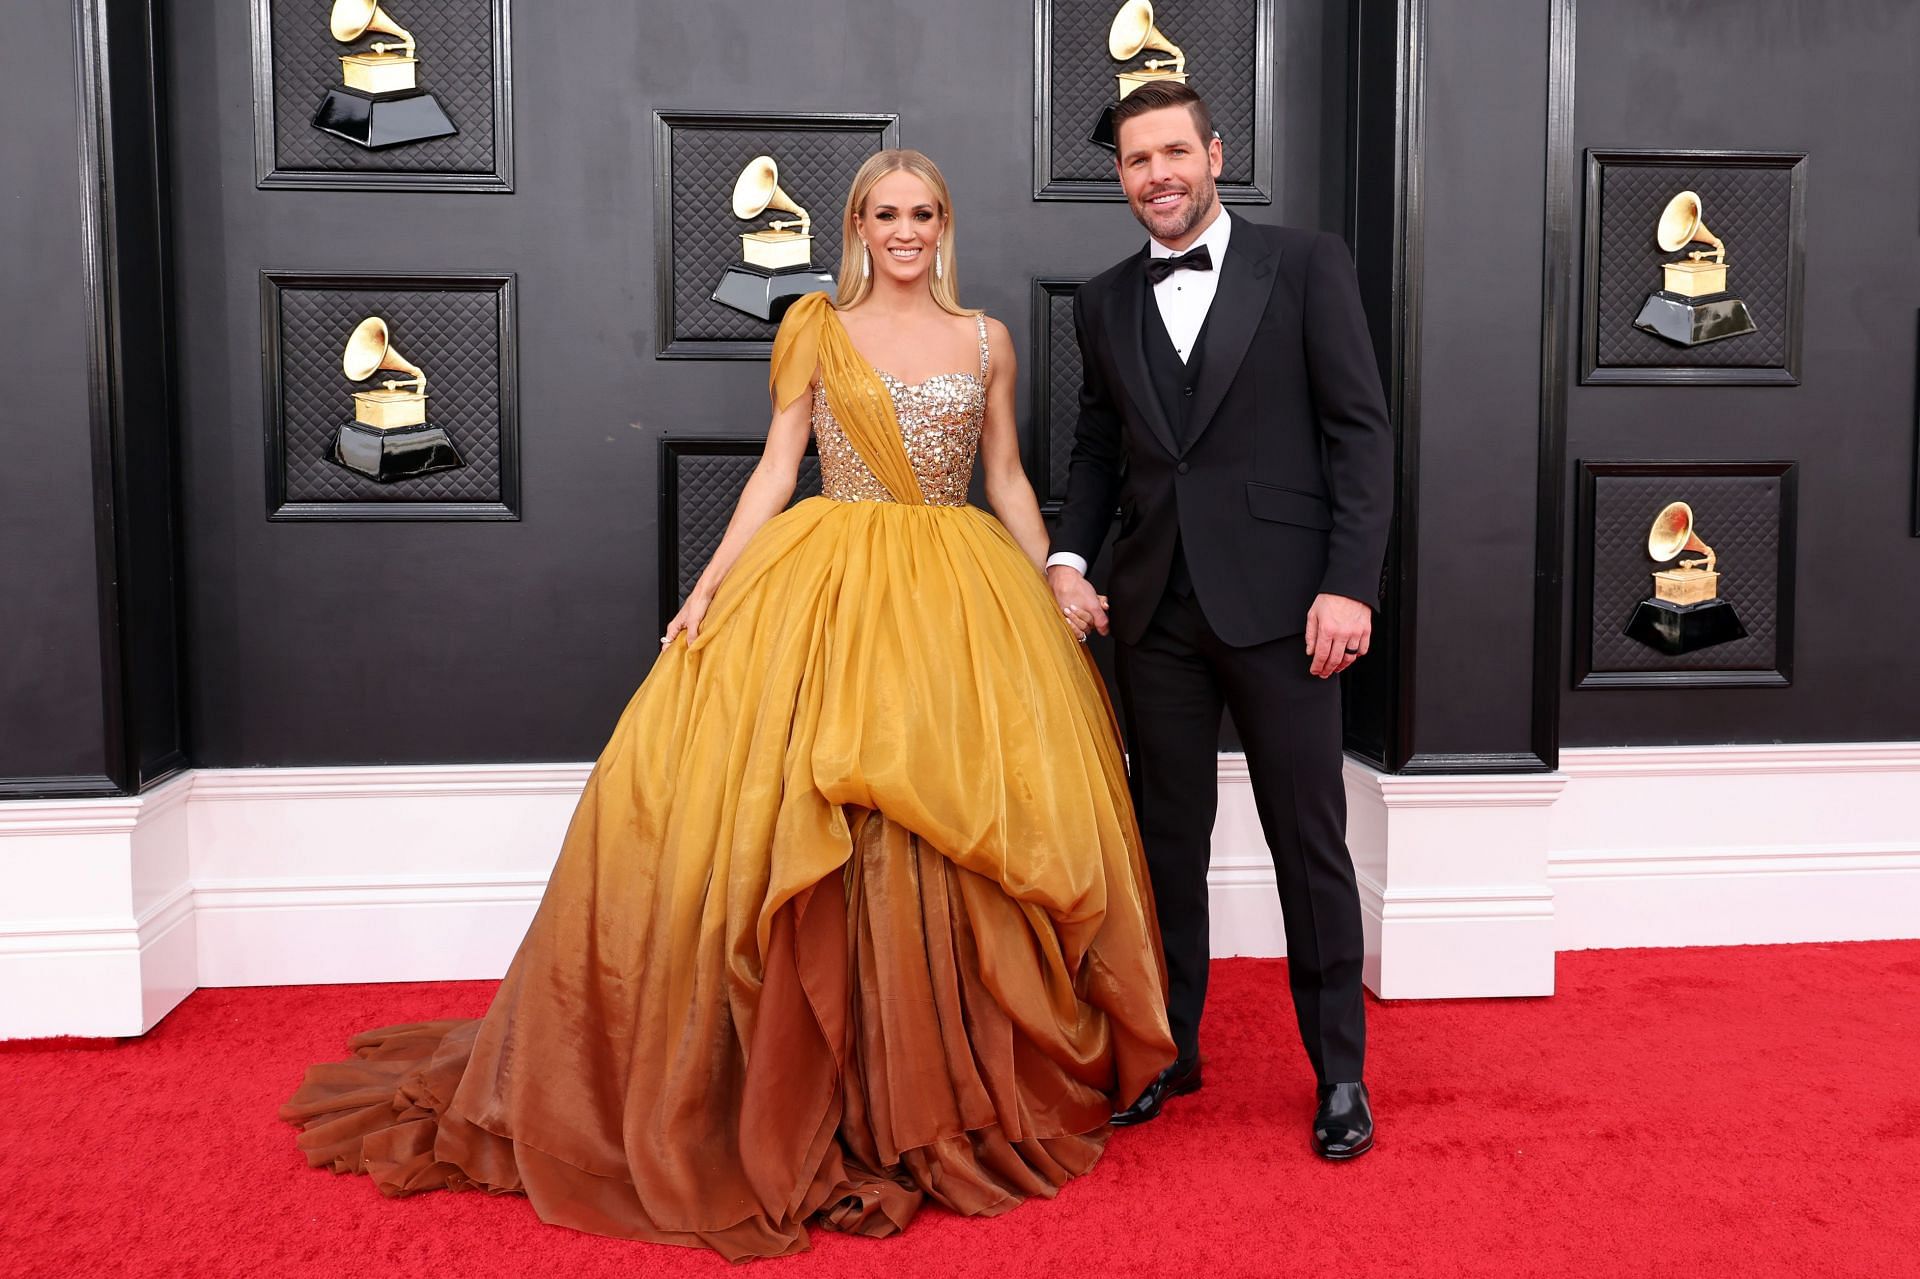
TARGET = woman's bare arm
(767,493)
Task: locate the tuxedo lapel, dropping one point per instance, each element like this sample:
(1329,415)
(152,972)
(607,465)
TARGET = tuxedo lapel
(1240,299)
(1124,331)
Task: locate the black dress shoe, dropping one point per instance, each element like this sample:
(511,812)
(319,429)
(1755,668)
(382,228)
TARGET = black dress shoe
(1176,1080)
(1343,1126)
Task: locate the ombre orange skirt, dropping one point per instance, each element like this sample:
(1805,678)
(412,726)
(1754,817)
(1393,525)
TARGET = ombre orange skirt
(852,914)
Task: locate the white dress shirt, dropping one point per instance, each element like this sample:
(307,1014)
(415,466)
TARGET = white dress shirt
(1184,297)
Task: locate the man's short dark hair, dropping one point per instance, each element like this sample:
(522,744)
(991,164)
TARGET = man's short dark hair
(1156,94)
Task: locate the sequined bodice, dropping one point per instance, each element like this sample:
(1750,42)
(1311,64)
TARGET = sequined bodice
(940,421)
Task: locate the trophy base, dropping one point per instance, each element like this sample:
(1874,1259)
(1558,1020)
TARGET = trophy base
(1689,321)
(402,453)
(766,294)
(1675,629)
(1128,81)
(376,120)
(1102,134)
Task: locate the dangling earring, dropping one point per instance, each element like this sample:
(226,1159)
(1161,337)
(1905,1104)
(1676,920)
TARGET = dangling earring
(866,261)
(938,274)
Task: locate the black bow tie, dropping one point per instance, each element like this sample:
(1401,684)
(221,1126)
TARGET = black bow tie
(1195,259)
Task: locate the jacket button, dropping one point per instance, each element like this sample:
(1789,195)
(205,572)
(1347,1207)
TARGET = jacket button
(1186,390)
(1182,468)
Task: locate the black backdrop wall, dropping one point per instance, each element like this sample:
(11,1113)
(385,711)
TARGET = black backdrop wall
(1835,82)
(50,687)
(523,640)
(90,695)
(1444,138)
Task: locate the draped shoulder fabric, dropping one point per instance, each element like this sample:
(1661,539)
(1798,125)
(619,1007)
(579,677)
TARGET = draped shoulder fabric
(851,914)
(812,342)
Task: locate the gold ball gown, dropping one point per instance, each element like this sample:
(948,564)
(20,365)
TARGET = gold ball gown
(852,913)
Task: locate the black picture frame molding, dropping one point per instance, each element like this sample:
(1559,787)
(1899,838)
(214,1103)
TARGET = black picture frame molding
(1037,448)
(269,175)
(1592,372)
(887,126)
(1048,187)
(1781,675)
(272,283)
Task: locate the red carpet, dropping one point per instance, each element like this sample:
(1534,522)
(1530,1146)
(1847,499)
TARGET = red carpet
(1726,1112)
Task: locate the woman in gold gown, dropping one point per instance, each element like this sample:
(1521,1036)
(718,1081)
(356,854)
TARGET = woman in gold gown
(852,912)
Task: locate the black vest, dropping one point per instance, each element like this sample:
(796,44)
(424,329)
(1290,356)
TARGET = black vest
(1173,383)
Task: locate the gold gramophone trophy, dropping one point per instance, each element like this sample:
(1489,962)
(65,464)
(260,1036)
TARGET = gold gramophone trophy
(1685,611)
(777,261)
(377,104)
(389,438)
(1133,32)
(1692,305)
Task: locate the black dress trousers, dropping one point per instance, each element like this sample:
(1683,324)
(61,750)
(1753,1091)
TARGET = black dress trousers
(1174,682)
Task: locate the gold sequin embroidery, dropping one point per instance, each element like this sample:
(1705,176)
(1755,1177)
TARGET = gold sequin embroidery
(940,421)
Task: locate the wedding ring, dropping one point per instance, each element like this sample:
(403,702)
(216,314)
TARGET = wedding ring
(1353,650)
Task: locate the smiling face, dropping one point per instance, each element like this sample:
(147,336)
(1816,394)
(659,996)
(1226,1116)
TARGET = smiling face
(1167,173)
(901,226)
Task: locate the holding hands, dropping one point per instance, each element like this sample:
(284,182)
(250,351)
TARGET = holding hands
(1084,608)
(1339,630)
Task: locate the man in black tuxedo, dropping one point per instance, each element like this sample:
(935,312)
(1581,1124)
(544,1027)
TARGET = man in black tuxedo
(1232,406)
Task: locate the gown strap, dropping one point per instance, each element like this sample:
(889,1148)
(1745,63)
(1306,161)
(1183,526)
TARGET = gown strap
(981,322)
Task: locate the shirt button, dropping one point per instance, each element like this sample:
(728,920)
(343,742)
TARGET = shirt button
(1182,468)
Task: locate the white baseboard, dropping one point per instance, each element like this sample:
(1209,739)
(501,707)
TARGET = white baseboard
(1736,845)
(1452,873)
(311,932)
(96,916)
(113,910)
(317,875)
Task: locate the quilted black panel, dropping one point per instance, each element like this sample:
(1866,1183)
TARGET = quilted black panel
(1219,39)
(1061,413)
(1737,515)
(455,48)
(452,334)
(816,168)
(708,486)
(1749,208)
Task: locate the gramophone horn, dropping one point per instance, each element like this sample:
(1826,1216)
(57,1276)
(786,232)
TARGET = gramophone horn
(1680,225)
(354,18)
(1133,30)
(1672,534)
(369,350)
(758,189)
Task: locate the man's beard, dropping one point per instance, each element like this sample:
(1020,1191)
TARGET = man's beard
(1201,201)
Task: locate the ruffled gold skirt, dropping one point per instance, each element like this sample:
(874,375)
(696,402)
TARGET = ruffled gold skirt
(852,914)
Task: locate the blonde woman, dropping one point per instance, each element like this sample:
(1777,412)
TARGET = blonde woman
(853,912)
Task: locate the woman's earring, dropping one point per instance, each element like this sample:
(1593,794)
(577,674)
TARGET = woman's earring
(938,273)
(866,262)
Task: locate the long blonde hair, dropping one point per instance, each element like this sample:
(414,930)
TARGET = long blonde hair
(855,284)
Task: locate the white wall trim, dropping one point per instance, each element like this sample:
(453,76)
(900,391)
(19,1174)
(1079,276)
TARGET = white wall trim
(237,894)
(1712,845)
(1778,859)
(1795,758)
(431,781)
(22,818)
(113,909)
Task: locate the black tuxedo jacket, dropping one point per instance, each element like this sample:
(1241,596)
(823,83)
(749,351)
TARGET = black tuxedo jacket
(1284,488)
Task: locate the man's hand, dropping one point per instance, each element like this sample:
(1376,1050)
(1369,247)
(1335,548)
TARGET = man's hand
(1083,607)
(1338,631)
